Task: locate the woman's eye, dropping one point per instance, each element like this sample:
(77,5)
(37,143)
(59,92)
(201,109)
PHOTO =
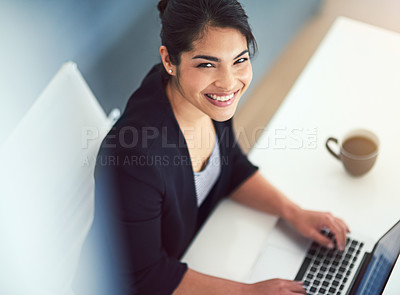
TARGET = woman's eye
(241,60)
(205,65)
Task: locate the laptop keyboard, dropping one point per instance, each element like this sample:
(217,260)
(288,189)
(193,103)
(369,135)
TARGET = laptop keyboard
(326,271)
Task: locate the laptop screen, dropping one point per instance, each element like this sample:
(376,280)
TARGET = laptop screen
(383,259)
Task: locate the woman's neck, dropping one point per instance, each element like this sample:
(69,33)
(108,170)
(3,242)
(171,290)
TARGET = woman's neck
(197,127)
(187,115)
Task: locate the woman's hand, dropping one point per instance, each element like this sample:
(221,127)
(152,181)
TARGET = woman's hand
(310,224)
(275,287)
(258,193)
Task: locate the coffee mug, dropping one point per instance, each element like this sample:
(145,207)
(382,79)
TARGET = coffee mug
(358,151)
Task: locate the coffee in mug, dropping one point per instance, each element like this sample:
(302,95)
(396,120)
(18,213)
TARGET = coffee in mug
(358,151)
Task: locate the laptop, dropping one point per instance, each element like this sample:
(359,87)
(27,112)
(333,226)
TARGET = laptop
(363,268)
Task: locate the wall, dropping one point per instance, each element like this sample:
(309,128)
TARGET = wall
(114,44)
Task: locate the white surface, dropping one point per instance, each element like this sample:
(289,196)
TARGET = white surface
(281,256)
(230,241)
(46,194)
(351,82)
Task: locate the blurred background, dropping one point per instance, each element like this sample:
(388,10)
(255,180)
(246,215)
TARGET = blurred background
(116,42)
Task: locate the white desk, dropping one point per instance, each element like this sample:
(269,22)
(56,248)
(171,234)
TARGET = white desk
(353,80)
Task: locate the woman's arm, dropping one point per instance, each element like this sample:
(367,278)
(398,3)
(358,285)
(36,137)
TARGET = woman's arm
(194,283)
(258,193)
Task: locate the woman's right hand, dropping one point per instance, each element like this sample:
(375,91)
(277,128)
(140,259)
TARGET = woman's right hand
(276,287)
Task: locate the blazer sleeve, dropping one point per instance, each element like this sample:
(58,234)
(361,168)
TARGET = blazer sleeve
(241,168)
(136,195)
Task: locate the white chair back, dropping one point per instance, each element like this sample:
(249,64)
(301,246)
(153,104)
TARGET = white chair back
(47,186)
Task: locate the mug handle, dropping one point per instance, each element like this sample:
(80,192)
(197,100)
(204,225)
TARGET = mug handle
(329,149)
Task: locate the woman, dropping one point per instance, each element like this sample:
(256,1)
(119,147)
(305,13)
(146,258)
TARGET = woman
(172,156)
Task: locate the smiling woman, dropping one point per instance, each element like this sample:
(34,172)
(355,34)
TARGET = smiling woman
(211,77)
(148,211)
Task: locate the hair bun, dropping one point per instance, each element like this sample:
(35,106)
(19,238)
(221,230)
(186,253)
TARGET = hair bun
(161,6)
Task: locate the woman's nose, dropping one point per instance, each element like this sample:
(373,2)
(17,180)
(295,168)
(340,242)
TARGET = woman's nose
(226,80)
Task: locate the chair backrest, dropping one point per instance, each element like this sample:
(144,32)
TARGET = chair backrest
(47,186)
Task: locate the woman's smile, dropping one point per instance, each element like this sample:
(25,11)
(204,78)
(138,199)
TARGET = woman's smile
(222,99)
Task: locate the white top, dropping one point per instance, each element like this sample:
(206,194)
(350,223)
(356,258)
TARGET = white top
(205,179)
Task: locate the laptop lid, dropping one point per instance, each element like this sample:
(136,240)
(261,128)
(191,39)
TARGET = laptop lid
(377,267)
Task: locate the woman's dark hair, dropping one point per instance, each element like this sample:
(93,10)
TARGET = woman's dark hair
(183,21)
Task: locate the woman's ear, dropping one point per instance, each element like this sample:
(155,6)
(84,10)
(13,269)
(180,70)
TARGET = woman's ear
(169,67)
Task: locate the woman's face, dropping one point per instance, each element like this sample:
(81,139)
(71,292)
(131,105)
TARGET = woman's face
(214,75)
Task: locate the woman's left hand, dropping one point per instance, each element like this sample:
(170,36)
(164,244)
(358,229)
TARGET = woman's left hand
(310,224)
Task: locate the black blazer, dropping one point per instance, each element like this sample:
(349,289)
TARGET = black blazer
(145,190)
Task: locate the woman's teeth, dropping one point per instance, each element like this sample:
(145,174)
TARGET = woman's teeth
(220,98)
